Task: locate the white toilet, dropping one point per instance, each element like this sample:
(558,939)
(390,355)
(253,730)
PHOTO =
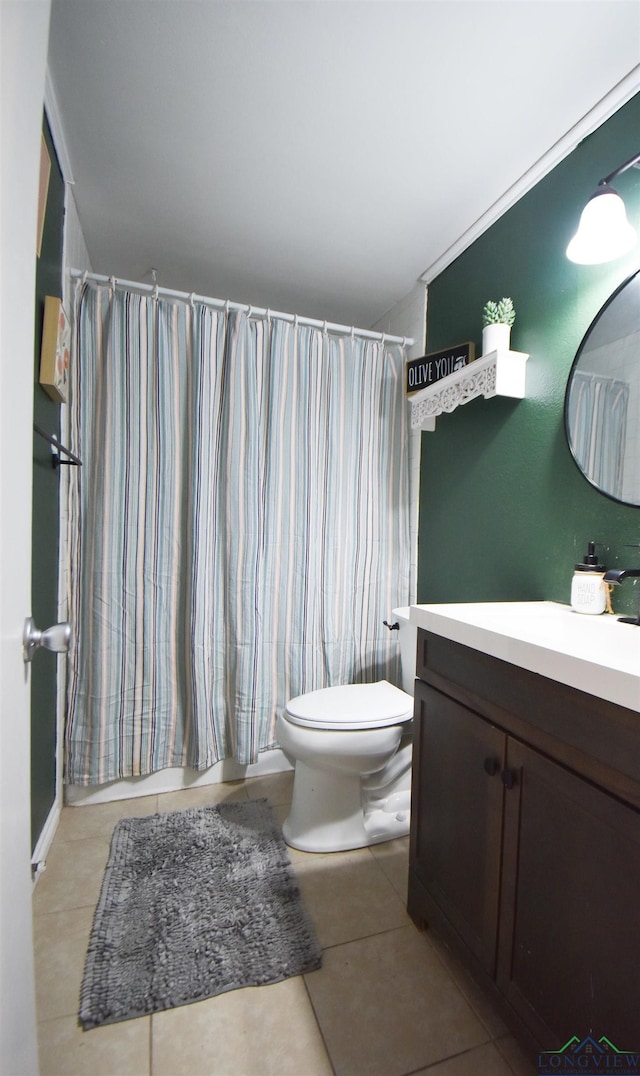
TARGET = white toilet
(351,749)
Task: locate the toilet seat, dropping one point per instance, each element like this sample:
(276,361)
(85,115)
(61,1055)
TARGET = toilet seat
(351,706)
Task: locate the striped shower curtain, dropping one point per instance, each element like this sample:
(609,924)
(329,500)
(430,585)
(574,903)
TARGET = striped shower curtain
(597,421)
(237,534)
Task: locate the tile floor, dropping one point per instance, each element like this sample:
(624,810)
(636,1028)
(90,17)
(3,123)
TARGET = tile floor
(388,1000)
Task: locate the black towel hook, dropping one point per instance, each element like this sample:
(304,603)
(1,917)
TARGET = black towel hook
(73,460)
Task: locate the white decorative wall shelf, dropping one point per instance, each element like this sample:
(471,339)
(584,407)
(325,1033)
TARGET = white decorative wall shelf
(500,373)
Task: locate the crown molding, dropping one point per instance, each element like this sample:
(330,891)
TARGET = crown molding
(610,103)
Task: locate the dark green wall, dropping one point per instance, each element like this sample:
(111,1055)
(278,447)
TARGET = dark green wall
(504,511)
(46,524)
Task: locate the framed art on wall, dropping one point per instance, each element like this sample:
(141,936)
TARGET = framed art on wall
(56,350)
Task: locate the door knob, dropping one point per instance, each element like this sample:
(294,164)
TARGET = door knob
(56,638)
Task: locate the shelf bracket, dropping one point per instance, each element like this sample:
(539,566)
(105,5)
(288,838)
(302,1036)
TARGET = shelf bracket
(499,373)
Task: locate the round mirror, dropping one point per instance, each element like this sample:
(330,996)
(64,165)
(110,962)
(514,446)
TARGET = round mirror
(602,402)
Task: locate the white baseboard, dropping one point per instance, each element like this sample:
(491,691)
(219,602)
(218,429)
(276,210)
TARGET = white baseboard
(45,840)
(174,780)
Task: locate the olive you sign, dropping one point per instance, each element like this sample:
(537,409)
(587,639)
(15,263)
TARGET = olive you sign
(431,368)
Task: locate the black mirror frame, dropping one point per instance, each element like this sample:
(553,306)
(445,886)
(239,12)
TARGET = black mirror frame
(594,485)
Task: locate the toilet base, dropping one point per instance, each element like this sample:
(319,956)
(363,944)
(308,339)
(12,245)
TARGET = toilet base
(351,816)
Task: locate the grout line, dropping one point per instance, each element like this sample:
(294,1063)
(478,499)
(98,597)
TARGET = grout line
(452,1057)
(517,1071)
(319,1026)
(366,937)
(467,986)
(66,911)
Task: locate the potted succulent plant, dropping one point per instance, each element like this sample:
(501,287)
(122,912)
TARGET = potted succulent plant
(497,319)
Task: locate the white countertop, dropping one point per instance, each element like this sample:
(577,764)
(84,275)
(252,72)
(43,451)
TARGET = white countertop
(595,654)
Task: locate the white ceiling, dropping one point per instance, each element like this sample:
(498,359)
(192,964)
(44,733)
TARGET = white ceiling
(315,157)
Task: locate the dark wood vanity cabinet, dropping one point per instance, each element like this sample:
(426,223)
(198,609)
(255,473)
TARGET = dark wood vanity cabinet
(457,817)
(525,842)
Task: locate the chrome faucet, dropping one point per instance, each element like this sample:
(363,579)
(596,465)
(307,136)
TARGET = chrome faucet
(616,576)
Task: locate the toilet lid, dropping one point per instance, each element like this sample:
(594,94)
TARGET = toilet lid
(352,706)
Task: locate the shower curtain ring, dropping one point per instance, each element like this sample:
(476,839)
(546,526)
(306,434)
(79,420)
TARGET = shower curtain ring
(192,300)
(249,312)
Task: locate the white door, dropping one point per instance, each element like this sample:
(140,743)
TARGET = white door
(24,29)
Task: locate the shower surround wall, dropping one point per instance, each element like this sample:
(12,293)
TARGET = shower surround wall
(504,511)
(409,318)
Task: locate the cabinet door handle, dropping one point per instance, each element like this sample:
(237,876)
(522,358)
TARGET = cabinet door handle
(508,778)
(491,766)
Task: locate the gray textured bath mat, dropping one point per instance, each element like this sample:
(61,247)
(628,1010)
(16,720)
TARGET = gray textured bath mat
(193,903)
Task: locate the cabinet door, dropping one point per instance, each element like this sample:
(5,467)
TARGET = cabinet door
(457,817)
(569,947)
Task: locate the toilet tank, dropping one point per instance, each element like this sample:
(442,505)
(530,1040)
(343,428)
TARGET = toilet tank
(408,637)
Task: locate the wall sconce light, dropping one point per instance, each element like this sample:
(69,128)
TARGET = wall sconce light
(604,233)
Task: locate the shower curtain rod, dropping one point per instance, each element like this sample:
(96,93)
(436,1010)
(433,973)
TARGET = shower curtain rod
(252,312)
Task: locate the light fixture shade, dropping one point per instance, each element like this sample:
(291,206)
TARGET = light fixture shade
(604,232)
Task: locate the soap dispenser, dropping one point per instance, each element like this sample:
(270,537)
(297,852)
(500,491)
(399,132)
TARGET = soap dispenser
(588,589)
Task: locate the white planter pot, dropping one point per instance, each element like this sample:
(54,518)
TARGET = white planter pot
(495,338)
